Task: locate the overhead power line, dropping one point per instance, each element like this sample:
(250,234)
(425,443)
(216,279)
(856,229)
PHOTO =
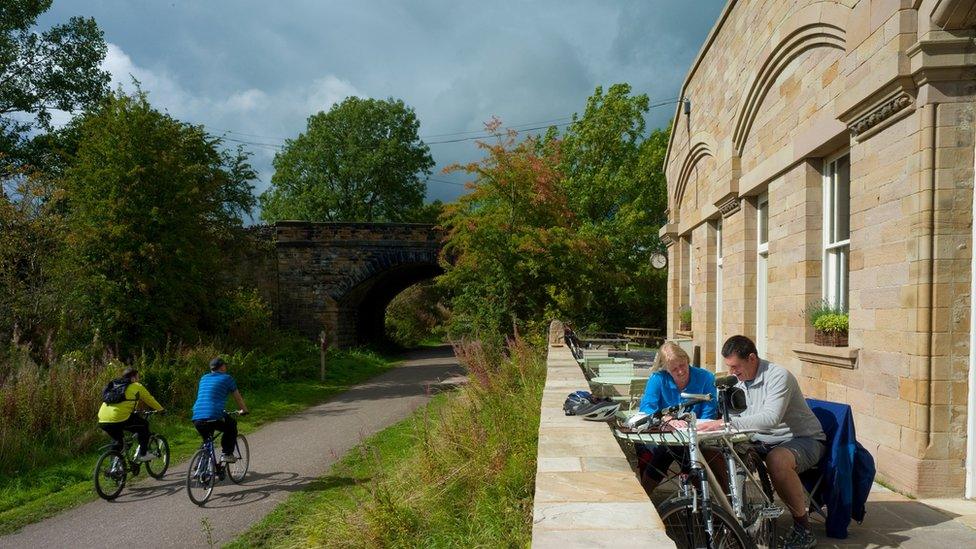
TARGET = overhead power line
(482,134)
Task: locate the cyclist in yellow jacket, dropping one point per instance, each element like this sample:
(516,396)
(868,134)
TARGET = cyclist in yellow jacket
(114,418)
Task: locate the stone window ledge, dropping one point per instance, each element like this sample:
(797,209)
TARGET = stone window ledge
(682,334)
(841,357)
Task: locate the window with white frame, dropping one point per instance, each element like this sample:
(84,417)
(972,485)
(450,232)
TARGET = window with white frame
(762,255)
(836,229)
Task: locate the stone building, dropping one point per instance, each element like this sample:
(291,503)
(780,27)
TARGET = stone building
(825,151)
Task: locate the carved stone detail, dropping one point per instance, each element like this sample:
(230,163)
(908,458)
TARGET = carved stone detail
(879,114)
(729,206)
(668,234)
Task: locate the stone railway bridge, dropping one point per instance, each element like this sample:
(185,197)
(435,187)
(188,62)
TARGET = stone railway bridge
(339,277)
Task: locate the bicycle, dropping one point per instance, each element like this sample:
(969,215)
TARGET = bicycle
(206,469)
(115,465)
(702,513)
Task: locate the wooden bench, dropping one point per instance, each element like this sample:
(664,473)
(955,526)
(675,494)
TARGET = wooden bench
(648,337)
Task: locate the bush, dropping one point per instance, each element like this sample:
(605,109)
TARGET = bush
(831,322)
(415,315)
(470,479)
(49,412)
(244,316)
(820,313)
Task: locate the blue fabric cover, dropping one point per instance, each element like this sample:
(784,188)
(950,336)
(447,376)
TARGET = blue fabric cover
(212,395)
(662,392)
(847,468)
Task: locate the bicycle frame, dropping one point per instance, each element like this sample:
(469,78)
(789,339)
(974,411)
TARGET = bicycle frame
(702,485)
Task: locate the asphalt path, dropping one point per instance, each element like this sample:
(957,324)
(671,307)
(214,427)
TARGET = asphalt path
(286,456)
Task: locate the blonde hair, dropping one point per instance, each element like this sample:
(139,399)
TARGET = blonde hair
(669,351)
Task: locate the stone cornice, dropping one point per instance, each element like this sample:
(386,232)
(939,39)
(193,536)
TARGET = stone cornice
(728,204)
(668,234)
(943,56)
(880,112)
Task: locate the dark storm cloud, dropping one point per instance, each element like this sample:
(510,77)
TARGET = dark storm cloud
(261,68)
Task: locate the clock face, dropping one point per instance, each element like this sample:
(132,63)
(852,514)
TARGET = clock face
(658,260)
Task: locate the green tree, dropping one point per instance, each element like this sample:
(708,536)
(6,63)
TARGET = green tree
(561,225)
(149,201)
(361,161)
(426,213)
(31,235)
(512,252)
(58,69)
(614,181)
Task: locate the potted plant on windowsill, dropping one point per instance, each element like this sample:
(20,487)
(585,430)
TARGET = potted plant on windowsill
(684,319)
(830,325)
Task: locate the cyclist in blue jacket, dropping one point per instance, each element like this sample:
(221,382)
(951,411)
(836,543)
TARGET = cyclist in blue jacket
(208,410)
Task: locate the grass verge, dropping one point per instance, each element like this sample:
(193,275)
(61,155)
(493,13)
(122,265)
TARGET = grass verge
(41,492)
(341,491)
(459,472)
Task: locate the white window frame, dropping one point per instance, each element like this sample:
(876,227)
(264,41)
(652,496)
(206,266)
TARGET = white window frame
(836,253)
(762,274)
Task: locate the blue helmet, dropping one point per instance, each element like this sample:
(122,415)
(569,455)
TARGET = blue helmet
(575,400)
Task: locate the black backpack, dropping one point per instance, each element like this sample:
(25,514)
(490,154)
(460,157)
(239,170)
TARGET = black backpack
(114,392)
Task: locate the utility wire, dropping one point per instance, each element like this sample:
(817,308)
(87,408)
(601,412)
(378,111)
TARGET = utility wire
(482,133)
(435,180)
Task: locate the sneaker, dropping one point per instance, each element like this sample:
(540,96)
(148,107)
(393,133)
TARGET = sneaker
(148,456)
(228,458)
(799,538)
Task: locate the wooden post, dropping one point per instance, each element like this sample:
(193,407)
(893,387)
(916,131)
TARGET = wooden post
(323,347)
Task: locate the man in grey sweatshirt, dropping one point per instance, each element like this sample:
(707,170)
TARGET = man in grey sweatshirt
(790,435)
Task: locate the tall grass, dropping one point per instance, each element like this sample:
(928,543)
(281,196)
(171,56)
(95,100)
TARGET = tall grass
(48,412)
(468,479)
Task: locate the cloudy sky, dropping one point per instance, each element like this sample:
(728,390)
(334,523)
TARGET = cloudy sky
(254,70)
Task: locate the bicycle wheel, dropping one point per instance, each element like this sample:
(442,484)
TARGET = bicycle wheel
(201,477)
(757,502)
(157,467)
(686,527)
(109,475)
(242,452)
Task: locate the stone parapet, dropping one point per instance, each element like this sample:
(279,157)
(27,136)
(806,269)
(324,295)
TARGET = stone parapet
(586,494)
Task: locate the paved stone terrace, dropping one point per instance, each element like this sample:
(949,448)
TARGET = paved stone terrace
(586,494)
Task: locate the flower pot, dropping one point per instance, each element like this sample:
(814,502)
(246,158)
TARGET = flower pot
(684,326)
(830,339)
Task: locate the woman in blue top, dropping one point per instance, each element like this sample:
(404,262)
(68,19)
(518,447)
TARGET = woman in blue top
(664,389)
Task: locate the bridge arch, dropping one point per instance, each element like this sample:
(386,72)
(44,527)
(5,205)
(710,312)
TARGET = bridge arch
(340,277)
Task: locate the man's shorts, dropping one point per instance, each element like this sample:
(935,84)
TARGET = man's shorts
(806,450)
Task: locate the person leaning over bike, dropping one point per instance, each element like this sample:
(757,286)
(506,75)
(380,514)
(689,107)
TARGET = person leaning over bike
(208,410)
(664,389)
(118,417)
(791,438)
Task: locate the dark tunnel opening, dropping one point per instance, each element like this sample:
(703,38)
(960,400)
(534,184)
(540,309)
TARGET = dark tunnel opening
(370,299)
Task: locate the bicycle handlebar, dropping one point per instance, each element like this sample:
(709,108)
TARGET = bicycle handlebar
(149,412)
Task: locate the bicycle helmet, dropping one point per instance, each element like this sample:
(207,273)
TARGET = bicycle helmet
(598,411)
(575,400)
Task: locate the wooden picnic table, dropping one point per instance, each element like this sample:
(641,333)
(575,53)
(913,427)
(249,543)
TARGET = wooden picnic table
(645,336)
(597,341)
